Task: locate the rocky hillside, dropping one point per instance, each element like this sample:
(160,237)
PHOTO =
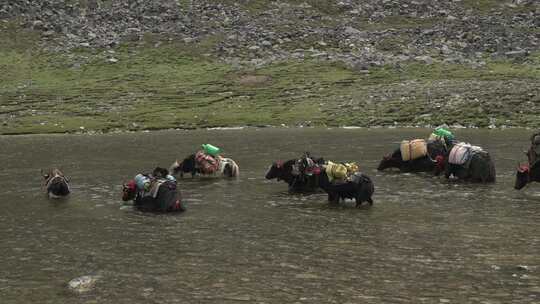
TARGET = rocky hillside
(398,41)
(362,33)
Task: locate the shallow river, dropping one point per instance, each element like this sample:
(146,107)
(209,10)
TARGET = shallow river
(425,240)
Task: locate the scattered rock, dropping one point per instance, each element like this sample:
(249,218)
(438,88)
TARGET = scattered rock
(445,50)
(266,43)
(351,31)
(517,54)
(48,33)
(424,59)
(83,284)
(458,29)
(38,25)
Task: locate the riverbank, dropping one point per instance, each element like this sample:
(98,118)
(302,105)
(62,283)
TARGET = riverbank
(158,88)
(51,83)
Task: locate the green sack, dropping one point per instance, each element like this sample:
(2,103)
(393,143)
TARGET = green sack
(442,132)
(212,150)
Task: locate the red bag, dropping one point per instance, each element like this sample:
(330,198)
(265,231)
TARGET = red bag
(206,163)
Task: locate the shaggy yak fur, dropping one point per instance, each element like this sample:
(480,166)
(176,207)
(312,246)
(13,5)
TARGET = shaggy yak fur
(360,189)
(56,184)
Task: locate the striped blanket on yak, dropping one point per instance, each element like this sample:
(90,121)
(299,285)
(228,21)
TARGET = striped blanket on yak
(207,163)
(462,153)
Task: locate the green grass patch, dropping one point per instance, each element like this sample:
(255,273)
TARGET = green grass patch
(173,85)
(493,70)
(15,38)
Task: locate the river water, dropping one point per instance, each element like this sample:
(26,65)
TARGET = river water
(425,240)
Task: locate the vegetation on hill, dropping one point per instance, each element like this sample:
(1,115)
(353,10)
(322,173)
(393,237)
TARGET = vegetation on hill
(158,80)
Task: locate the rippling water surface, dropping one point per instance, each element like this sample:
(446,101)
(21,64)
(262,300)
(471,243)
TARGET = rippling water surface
(425,240)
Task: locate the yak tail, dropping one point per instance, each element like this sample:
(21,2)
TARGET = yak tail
(230,168)
(236,169)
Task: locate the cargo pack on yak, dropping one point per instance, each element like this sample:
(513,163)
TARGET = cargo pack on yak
(300,174)
(413,149)
(340,172)
(206,162)
(156,192)
(341,181)
(471,163)
(444,135)
(415,156)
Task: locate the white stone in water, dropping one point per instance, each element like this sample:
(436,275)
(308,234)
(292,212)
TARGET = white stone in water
(83,284)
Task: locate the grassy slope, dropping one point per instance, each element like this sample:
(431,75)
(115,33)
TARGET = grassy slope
(173,86)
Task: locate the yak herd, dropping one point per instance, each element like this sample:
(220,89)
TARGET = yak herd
(440,154)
